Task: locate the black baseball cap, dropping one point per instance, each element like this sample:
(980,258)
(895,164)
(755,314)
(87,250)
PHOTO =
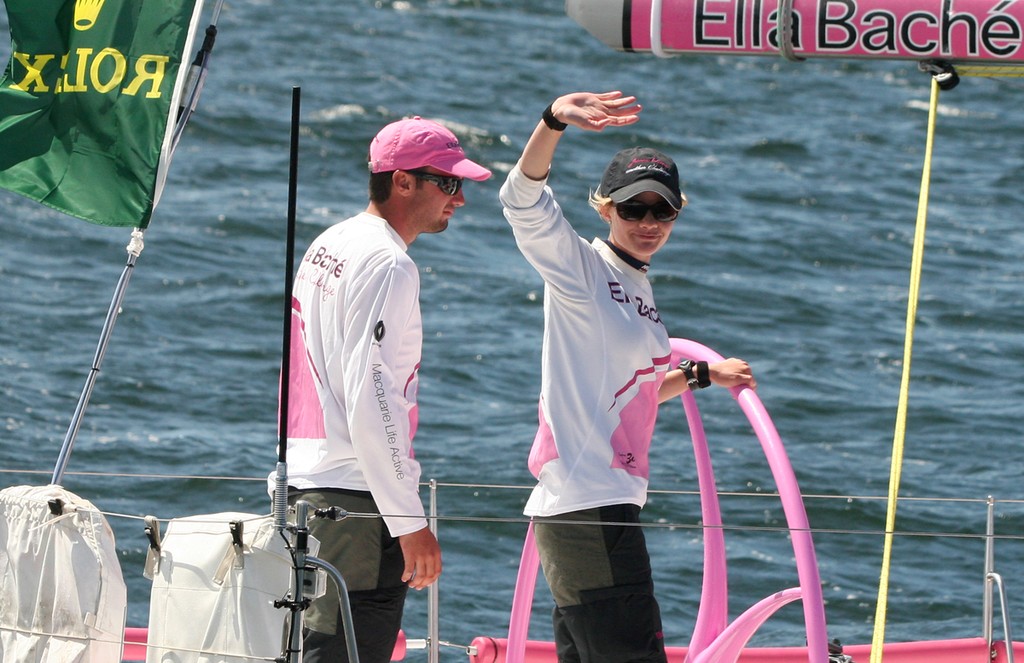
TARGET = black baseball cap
(639,169)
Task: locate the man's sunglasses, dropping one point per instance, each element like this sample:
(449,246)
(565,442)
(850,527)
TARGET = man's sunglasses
(449,184)
(636,211)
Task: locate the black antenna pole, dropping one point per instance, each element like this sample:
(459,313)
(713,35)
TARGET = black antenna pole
(293,179)
(299,546)
(281,487)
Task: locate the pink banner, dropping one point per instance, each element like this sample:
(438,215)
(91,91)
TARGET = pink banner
(956,31)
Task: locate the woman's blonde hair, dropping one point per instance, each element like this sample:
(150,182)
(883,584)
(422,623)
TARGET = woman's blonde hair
(598,202)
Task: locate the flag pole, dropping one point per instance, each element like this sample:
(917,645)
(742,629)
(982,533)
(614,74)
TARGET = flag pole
(197,76)
(134,248)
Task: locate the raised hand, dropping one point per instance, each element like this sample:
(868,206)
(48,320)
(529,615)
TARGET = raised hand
(596,111)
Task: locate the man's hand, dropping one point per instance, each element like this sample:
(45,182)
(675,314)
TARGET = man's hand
(422,558)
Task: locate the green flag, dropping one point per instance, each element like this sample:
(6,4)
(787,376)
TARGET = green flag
(88,103)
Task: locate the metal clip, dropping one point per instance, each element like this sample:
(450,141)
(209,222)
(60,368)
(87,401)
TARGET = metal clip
(835,653)
(152,530)
(236,527)
(234,556)
(943,72)
(56,506)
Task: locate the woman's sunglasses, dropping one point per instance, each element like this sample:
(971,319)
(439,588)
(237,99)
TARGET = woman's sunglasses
(449,184)
(636,211)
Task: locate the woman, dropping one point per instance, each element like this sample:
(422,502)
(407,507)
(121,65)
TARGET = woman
(605,369)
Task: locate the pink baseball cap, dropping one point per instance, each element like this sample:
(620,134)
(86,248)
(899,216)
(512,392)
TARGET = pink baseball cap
(414,143)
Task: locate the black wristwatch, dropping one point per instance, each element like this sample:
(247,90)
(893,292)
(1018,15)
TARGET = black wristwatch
(687,366)
(696,374)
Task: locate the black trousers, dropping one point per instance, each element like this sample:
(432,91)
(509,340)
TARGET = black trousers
(371,562)
(377,617)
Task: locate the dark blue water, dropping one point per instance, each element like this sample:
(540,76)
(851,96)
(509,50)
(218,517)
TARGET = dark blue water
(794,254)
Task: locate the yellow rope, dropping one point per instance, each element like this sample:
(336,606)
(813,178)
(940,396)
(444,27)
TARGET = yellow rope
(901,414)
(991,71)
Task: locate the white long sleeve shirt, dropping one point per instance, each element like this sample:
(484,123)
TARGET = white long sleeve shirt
(606,353)
(356,343)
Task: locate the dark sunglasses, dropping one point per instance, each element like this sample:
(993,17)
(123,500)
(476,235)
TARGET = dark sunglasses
(449,184)
(636,211)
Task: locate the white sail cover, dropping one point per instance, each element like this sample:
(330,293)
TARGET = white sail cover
(62,596)
(213,602)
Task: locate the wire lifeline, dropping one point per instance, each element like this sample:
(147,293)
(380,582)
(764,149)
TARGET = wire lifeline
(899,436)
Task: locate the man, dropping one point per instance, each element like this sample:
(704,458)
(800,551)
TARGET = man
(352,415)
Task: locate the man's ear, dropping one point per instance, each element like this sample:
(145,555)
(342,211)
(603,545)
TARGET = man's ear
(402,183)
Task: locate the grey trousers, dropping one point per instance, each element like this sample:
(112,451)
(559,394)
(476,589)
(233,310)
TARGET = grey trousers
(599,572)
